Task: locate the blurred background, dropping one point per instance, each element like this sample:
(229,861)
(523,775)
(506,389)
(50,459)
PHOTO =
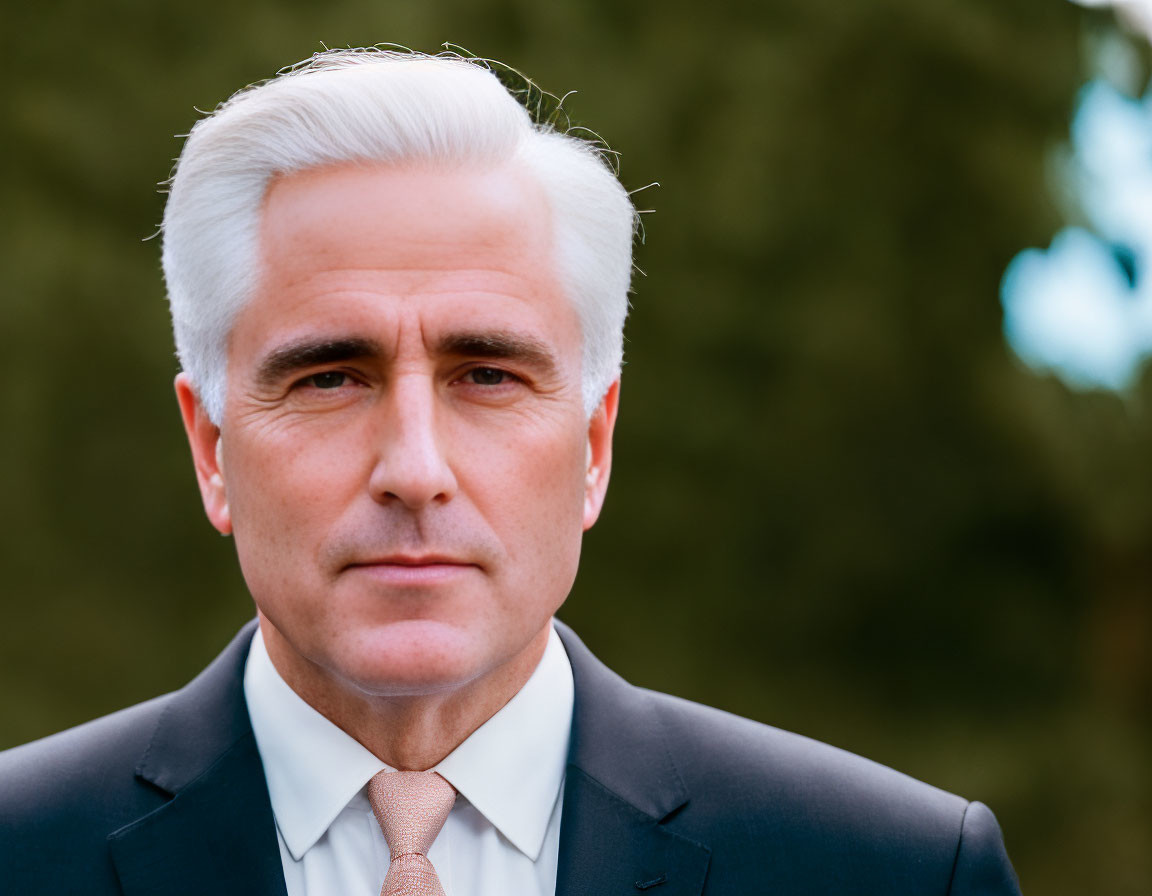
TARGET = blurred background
(884,466)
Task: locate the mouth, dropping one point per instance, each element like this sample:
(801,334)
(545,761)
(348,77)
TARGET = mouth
(413,560)
(412,570)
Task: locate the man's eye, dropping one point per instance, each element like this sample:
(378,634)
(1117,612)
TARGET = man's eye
(488,376)
(329,379)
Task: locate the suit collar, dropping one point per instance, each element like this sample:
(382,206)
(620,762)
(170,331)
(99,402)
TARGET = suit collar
(216,834)
(628,755)
(622,784)
(202,721)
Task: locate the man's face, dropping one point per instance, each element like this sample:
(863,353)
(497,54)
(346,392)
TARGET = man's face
(403,457)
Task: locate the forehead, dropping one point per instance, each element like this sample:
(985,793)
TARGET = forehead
(405,215)
(368,242)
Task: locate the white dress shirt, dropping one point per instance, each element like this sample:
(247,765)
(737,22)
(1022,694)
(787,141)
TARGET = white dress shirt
(502,835)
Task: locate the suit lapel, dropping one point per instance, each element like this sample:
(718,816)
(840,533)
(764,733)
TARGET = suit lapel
(216,834)
(621,784)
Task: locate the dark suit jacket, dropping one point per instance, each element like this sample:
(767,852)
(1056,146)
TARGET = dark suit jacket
(660,795)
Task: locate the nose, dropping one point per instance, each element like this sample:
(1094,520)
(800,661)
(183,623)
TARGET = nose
(411,465)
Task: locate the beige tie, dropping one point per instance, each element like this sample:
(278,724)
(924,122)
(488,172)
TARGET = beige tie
(411,808)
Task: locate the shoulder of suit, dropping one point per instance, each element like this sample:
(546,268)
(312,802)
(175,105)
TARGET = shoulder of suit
(72,771)
(797,815)
(60,798)
(729,762)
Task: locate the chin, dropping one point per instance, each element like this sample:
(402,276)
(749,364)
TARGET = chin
(412,658)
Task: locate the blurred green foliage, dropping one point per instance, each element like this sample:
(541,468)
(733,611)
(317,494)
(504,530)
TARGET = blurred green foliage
(839,505)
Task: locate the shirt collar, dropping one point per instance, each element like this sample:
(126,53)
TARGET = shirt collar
(510,768)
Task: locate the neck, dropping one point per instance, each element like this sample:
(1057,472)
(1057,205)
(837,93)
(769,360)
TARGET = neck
(410,732)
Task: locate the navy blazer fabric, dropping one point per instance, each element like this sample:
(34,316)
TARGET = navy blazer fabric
(660,795)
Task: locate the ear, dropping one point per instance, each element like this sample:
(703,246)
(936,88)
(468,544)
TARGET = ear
(600,427)
(204,439)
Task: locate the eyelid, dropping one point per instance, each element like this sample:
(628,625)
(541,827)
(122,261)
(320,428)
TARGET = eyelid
(472,367)
(302,380)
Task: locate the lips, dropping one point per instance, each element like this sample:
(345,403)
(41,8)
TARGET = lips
(412,560)
(412,570)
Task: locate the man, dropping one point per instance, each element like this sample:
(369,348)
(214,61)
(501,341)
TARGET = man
(398,306)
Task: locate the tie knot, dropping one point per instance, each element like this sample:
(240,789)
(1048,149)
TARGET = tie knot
(411,808)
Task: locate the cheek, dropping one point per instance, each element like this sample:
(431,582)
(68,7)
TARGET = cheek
(530,489)
(284,493)
(291,468)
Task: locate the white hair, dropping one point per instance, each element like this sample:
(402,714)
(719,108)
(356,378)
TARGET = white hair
(380,106)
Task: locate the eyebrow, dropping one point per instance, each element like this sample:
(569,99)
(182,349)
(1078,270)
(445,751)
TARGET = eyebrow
(288,359)
(500,345)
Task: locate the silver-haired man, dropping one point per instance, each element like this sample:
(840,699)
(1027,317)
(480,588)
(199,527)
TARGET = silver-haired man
(398,305)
